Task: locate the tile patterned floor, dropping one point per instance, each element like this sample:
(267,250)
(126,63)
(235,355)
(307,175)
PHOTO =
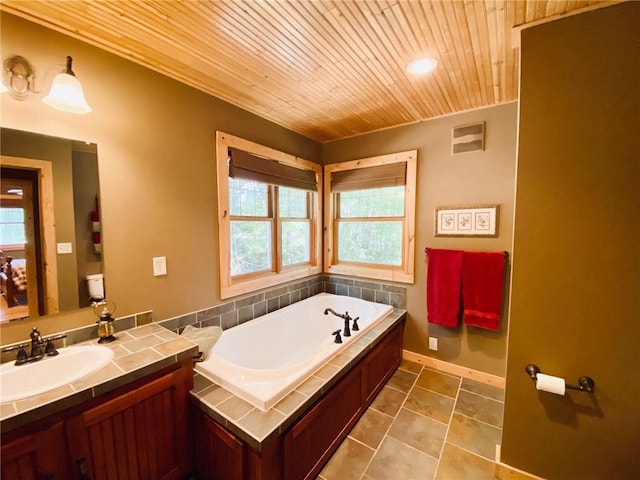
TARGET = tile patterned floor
(424,425)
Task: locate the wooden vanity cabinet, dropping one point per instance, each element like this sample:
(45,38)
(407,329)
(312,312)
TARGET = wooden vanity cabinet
(138,431)
(36,455)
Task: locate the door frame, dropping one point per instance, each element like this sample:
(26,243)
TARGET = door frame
(47,225)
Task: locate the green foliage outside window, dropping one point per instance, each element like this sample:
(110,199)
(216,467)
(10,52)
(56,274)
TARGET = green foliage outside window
(295,242)
(248,198)
(372,202)
(250,247)
(252,236)
(371,241)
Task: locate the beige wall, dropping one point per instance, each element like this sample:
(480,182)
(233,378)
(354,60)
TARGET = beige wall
(473,178)
(156,149)
(576,262)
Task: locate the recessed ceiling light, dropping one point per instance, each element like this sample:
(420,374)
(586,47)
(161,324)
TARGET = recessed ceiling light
(422,66)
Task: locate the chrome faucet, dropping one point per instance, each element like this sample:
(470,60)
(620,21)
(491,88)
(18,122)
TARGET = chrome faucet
(346,318)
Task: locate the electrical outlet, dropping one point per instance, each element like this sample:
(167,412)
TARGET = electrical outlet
(64,248)
(159,266)
(433,343)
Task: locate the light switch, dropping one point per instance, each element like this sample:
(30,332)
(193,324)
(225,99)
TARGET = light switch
(64,248)
(159,266)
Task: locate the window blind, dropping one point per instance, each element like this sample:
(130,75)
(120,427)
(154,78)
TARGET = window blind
(247,166)
(389,175)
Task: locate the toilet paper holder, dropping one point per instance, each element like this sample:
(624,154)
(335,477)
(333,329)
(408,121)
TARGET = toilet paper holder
(585,384)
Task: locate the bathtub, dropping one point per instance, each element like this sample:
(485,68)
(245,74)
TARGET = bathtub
(265,359)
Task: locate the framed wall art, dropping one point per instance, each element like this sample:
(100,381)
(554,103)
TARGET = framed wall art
(467,221)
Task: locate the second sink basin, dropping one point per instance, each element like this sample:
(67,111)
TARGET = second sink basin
(71,364)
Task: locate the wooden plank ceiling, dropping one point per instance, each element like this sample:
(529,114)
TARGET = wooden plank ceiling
(328,69)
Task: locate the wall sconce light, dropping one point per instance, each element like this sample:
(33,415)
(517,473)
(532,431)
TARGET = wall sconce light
(21,77)
(66,92)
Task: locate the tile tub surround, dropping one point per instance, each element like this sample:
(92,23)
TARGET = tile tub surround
(246,308)
(257,427)
(243,309)
(138,352)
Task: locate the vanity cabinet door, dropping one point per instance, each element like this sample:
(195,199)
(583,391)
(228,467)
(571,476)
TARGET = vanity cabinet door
(219,453)
(314,438)
(382,363)
(142,433)
(38,455)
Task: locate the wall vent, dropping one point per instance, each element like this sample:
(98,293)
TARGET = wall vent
(467,138)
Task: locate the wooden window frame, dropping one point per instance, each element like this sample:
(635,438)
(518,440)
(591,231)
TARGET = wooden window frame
(241,284)
(404,273)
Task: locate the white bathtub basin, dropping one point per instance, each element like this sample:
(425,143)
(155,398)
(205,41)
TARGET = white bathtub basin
(263,360)
(71,364)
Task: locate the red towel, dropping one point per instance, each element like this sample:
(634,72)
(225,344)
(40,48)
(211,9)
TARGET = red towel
(443,286)
(482,281)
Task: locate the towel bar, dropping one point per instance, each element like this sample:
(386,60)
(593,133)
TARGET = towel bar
(585,384)
(506,254)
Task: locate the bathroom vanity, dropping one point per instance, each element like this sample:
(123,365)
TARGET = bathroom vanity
(131,419)
(297,436)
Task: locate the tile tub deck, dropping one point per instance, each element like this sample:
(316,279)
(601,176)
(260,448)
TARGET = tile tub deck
(257,427)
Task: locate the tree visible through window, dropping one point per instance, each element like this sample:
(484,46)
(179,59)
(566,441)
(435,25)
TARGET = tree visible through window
(370,225)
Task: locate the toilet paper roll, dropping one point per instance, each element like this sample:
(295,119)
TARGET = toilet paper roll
(551,384)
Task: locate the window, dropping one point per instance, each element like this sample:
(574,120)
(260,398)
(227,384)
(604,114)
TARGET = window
(12,226)
(370,217)
(269,216)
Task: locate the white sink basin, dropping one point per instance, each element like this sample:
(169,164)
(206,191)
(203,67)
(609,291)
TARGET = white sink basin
(71,364)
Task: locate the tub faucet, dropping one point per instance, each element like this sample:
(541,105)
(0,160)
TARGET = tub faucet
(345,317)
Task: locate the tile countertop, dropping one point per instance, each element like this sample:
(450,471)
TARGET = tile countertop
(256,427)
(137,352)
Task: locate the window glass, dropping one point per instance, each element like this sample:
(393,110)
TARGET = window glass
(296,237)
(370,242)
(250,247)
(248,198)
(372,202)
(292,202)
(12,226)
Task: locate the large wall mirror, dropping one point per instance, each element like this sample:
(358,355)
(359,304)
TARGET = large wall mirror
(50,226)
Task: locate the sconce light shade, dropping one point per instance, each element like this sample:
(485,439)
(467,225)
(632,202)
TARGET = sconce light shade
(66,93)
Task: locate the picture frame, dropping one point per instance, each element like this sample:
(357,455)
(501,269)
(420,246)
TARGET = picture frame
(467,221)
